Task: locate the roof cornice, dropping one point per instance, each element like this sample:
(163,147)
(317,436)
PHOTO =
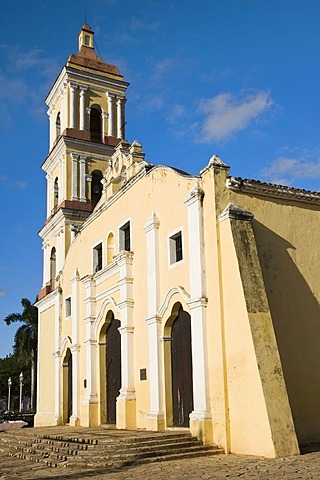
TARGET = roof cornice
(256,187)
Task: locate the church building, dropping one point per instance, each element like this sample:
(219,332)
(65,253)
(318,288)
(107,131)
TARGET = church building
(171,300)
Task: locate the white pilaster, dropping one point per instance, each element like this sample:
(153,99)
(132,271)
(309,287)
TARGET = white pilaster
(82,106)
(91,398)
(64,108)
(49,193)
(61,179)
(75,349)
(199,418)
(73,100)
(75,176)
(57,357)
(156,413)
(104,117)
(52,126)
(126,413)
(119,117)
(46,262)
(60,249)
(111,119)
(82,178)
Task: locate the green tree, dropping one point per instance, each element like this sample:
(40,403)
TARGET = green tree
(26,339)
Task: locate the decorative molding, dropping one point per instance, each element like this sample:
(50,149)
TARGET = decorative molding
(215,162)
(256,187)
(172,291)
(152,223)
(126,329)
(196,194)
(235,212)
(153,320)
(101,315)
(63,345)
(197,302)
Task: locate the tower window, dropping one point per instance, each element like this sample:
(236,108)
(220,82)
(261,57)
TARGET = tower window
(87,40)
(124,237)
(175,248)
(55,193)
(53,265)
(95,125)
(97,258)
(58,125)
(96,187)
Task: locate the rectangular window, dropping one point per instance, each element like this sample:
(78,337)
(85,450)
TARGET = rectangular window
(68,307)
(176,249)
(124,237)
(97,258)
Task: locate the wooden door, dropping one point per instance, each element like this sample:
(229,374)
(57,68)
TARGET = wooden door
(69,387)
(181,368)
(113,367)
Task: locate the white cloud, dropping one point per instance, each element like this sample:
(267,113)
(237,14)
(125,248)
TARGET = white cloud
(137,24)
(177,113)
(162,68)
(226,114)
(2,293)
(19,184)
(25,78)
(287,169)
(152,103)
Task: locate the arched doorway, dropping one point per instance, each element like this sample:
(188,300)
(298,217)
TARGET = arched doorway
(113,368)
(181,369)
(67,386)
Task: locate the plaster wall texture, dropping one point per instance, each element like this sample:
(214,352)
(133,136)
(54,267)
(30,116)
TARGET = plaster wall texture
(250,286)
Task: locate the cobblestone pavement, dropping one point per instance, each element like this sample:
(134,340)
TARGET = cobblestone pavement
(214,468)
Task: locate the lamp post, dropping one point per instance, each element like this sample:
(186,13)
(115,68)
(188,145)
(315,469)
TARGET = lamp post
(20,398)
(9,393)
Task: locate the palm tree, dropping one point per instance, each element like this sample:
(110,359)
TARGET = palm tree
(26,338)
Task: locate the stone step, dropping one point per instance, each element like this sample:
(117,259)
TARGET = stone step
(139,450)
(103,449)
(162,452)
(65,447)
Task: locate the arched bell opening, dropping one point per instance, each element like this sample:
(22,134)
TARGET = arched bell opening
(96,187)
(55,194)
(58,125)
(96,124)
(53,268)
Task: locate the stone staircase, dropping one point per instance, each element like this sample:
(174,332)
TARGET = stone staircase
(100,448)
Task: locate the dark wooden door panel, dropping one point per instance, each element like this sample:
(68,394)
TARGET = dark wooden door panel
(181,358)
(69,387)
(113,365)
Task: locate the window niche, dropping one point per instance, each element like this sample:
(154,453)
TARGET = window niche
(68,307)
(175,248)
(97,258)
(125,237)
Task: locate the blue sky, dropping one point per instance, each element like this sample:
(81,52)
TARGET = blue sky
(239,78)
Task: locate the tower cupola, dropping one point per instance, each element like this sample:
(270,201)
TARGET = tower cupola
(86,37)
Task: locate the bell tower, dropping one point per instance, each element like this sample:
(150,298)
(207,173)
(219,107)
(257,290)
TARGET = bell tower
(86,109)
